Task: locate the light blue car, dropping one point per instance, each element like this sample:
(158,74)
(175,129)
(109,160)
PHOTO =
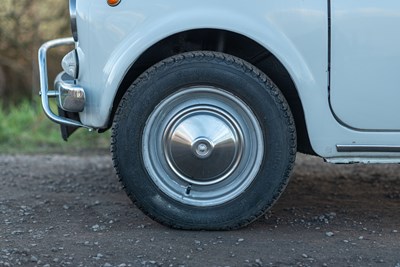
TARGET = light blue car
(209,101)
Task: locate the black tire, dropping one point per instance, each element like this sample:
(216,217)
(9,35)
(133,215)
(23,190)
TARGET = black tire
(175,166)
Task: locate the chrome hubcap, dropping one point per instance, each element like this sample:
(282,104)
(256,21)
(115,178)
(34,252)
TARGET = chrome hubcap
(202,146)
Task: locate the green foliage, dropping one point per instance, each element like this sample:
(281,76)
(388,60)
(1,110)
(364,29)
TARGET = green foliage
(25,129)
(24,26)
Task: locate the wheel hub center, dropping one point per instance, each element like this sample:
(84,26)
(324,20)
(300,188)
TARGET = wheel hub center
(202,148)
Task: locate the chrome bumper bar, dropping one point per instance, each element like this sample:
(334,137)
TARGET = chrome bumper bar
(45,93)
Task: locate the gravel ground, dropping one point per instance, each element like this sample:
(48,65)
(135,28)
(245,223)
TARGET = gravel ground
(60,210)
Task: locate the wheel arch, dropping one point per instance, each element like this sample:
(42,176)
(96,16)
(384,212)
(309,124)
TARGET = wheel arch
(231,43)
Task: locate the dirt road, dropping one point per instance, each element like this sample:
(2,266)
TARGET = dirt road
(70,211)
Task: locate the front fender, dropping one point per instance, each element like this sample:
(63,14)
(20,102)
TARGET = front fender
(295,32)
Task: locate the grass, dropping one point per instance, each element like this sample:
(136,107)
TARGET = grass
(25,129)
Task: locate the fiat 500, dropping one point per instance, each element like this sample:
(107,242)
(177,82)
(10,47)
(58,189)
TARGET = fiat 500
(209,101)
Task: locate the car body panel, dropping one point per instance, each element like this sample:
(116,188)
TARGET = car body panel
(132,27)
(365,80)
(347,120)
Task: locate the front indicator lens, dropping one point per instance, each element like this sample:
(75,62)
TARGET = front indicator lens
(113,2)
(70,64)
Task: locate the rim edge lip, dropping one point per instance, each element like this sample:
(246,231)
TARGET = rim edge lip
(175,189)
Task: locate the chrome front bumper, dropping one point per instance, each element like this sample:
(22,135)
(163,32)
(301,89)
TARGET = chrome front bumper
(71,97)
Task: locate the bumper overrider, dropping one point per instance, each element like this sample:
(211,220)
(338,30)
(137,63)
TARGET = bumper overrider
(70,96)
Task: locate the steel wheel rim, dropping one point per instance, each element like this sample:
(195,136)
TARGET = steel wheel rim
(202,146)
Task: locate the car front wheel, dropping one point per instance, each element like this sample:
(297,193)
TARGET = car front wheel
(203,140)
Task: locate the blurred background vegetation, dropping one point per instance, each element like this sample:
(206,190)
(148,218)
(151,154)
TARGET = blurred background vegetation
(24,26)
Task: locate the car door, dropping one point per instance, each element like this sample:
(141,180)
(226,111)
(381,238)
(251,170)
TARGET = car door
(365,64)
